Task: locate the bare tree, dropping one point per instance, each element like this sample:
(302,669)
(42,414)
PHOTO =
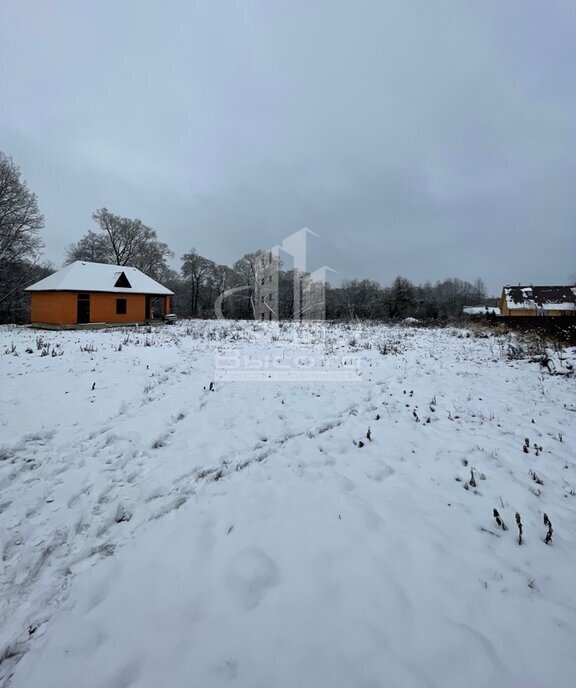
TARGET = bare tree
(358,299)
(197,270)
(479,288)
(20,219)
(131,241)
(153,258)
(126,237)
(250,270)
(222,278)
(20,243)
(123,242)
(92,247)
(219,280)
(402,297)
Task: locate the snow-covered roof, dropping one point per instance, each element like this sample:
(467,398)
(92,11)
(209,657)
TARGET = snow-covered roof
(84,276)
(541,298)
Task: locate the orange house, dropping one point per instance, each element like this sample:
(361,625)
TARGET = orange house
(84,293)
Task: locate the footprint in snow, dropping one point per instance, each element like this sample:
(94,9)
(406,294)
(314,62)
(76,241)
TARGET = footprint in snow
(249,576)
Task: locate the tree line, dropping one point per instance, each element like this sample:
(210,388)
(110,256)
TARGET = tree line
(200,281)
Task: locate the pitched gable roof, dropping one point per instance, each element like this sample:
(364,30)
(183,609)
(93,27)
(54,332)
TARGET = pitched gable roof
(84,276)
(538,298)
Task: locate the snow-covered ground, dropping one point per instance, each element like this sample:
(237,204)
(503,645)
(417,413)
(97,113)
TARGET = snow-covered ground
(157,532)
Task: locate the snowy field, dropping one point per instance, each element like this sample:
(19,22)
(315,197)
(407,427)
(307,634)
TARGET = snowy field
(157,530)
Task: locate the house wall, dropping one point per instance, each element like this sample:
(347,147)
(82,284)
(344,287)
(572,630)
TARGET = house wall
(60,307)
(103,308)
(561,314)
(532,313)
(520,312)
(53,307)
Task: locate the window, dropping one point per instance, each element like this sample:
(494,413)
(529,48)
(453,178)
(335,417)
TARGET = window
(120,306)
(123,282)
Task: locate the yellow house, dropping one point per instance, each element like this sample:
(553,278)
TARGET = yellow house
(548,301)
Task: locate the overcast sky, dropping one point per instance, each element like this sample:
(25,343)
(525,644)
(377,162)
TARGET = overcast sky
(428,138)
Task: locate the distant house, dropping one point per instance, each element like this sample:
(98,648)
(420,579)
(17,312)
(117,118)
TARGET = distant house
(83,293)
(556,302)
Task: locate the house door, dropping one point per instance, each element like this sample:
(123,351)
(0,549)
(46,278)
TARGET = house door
(83,308)
(148,314)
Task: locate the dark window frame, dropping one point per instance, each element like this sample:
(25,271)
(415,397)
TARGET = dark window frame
(121,306)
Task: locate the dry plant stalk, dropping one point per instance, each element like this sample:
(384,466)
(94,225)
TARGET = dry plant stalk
(519,524)
(548,524)
(499,520)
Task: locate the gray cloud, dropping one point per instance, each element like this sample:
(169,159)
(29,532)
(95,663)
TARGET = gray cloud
(426,139)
